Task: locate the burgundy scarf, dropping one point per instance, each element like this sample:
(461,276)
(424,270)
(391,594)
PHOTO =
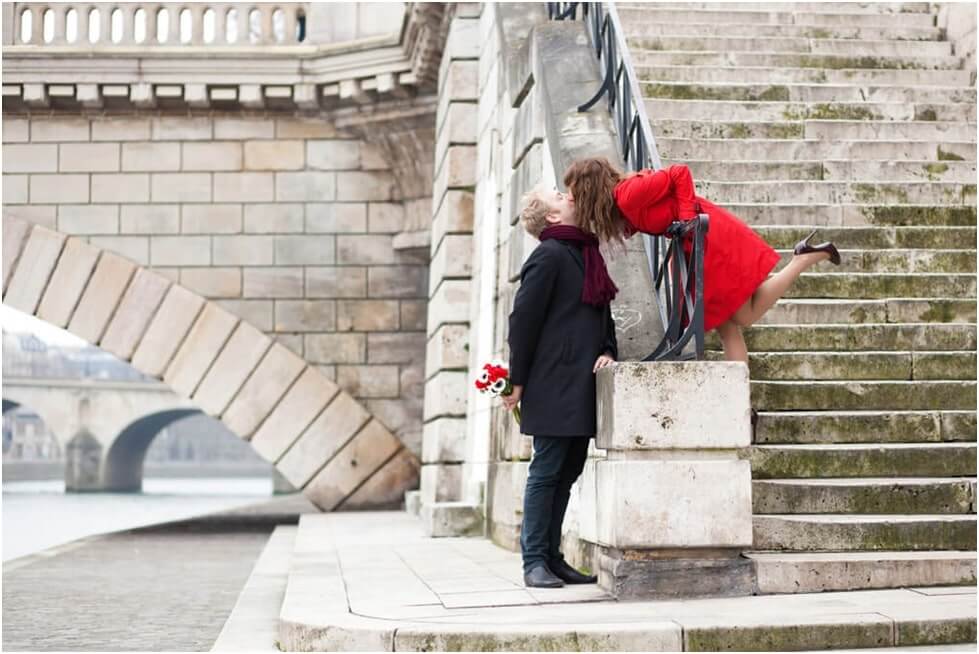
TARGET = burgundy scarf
(599,288)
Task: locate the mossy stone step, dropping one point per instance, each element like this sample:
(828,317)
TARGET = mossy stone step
(936,337)
(869,79)
(815,427)
(794,572)
(874,237)
(856,366)
(962,172)
(863,495)
(862,460)
(679,102)
(917,130)
(661,15)
(853,395)
(877,285)
(847,311)
(642,30)
(791,60)
(680,149)
(822,533)
(829,192)
(705,87)
(847,47)
(897,262)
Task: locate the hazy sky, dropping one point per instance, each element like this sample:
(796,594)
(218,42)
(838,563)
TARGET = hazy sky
(14,321)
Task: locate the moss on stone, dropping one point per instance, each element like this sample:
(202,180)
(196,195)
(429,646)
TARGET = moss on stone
(926,114)
(948,156)
(935,169)
(786,130)
(738,131)
(831,111)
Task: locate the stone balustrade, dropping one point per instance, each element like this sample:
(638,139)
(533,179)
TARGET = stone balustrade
(108,24)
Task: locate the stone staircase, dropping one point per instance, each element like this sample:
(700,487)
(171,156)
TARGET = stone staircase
(856,119)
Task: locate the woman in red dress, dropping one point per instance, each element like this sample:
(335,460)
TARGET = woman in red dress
(737,262)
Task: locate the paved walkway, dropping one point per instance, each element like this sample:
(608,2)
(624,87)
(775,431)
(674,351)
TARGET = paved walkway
(374,581)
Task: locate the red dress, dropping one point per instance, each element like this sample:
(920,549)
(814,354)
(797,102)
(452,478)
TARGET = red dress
(736,259)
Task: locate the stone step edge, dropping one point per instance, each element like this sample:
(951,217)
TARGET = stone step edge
(906,445)
(263,591)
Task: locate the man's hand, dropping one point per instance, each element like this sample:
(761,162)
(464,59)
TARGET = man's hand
(512,400)
(602,361)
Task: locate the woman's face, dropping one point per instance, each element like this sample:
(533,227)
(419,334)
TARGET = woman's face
(562,206)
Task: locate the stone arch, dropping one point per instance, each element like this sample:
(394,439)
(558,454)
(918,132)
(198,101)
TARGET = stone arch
(11,404)
(122,470)
(319,437)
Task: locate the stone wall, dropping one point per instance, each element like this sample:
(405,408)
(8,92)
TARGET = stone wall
(958,19)
(284,221)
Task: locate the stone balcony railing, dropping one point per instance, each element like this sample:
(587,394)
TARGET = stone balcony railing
(185,56)
(105,24)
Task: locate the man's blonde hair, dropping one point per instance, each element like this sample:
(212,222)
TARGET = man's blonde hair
(534,213)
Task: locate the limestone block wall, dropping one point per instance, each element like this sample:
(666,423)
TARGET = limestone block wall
(283,221)
(958,19)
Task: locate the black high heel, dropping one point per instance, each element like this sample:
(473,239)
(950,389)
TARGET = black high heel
(803,247)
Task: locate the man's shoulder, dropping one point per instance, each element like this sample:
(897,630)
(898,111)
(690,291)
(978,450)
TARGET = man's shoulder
(547,250)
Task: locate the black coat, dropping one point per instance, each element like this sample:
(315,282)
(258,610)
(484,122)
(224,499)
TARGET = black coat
(555,339)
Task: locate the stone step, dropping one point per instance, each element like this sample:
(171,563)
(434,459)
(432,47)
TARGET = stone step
(636,29)
(681,149)
(875,8)
(852,221)
(791,60)
(827,192)
(254,622)
(950,337)
(933,132)
(657,15)
(879,495)
(812,427)
(787,572)
(850,285)
(848,311)
(854,395)
(881,237)
(912,81)
(726,170)
(868,532)
(828,95)
(809,461)
(683,102)
(854,366)
(898,262)
(785,44)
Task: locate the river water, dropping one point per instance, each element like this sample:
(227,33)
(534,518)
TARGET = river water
(37,515)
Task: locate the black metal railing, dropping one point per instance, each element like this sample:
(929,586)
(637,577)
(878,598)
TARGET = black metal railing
(679,294)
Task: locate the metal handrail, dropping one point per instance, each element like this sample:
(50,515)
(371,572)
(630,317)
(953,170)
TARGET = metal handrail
(679,295)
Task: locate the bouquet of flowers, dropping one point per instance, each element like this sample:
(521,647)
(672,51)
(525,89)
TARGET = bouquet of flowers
(495,380)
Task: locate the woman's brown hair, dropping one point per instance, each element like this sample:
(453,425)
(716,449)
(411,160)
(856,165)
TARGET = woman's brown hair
(592,183)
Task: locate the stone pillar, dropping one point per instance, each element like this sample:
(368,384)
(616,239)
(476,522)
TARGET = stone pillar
(83,463)
(669,506)
(450,286)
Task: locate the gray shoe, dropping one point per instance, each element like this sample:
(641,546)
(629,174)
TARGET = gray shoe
(540,576)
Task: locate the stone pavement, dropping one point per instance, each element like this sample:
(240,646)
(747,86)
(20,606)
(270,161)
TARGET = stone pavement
(373,581)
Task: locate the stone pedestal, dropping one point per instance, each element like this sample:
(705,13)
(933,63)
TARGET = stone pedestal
(669,506)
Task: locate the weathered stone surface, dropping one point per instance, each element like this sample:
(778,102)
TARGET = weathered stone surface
(238,359)
(370,381)
(149,219)
(451,519)
(181,128)
(101,296)
(149,156)
(385,217)
(305,315)
(301,404)
(357,461)
(447,349)
(337,217)
(692,405)
(59,129)
(444,441)
(88,218)
(62,189)
(211,219)
(374,249)
(244,187)
(180,250)
(180,187)
(273,218)
(452,260)
(667,503)
(213,282)
(15,234)
(243,250)
(320,442)
(333,154)
(449,304)
(306,186)
(336,348)
(177,313)
(137,307)
(445,395)
(30,158)
(274,155)
(305,250)
(441,482)
(397,347)
(453,216)
(243,128)
(75,266)
(336,282)
(397,281)
(863,460)
(674,578)
(272,282)
(258,313)
(204,341)
(504,509)
(353,186)
(830,532)
(367,315)
(277,371)
(211,156)
(386,487)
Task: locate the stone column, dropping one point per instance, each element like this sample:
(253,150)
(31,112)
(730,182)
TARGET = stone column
(669,506)
(450,287)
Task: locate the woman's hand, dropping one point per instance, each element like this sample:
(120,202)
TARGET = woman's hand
(512,400)
(602,361)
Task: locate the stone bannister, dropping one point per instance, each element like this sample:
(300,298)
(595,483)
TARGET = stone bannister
(225,56)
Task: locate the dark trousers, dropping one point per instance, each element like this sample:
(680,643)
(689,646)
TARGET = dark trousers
(557,463)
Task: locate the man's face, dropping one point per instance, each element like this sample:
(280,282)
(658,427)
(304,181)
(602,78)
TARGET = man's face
(562,208)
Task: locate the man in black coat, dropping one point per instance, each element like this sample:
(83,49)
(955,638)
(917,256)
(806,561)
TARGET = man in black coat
(557,344)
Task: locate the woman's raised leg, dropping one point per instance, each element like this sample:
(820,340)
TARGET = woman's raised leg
(773,288)
(733,342)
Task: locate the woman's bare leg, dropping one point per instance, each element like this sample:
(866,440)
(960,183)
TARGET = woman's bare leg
(773,288)
(732,340)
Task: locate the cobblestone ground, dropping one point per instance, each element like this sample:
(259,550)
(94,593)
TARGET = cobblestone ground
(161,589)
